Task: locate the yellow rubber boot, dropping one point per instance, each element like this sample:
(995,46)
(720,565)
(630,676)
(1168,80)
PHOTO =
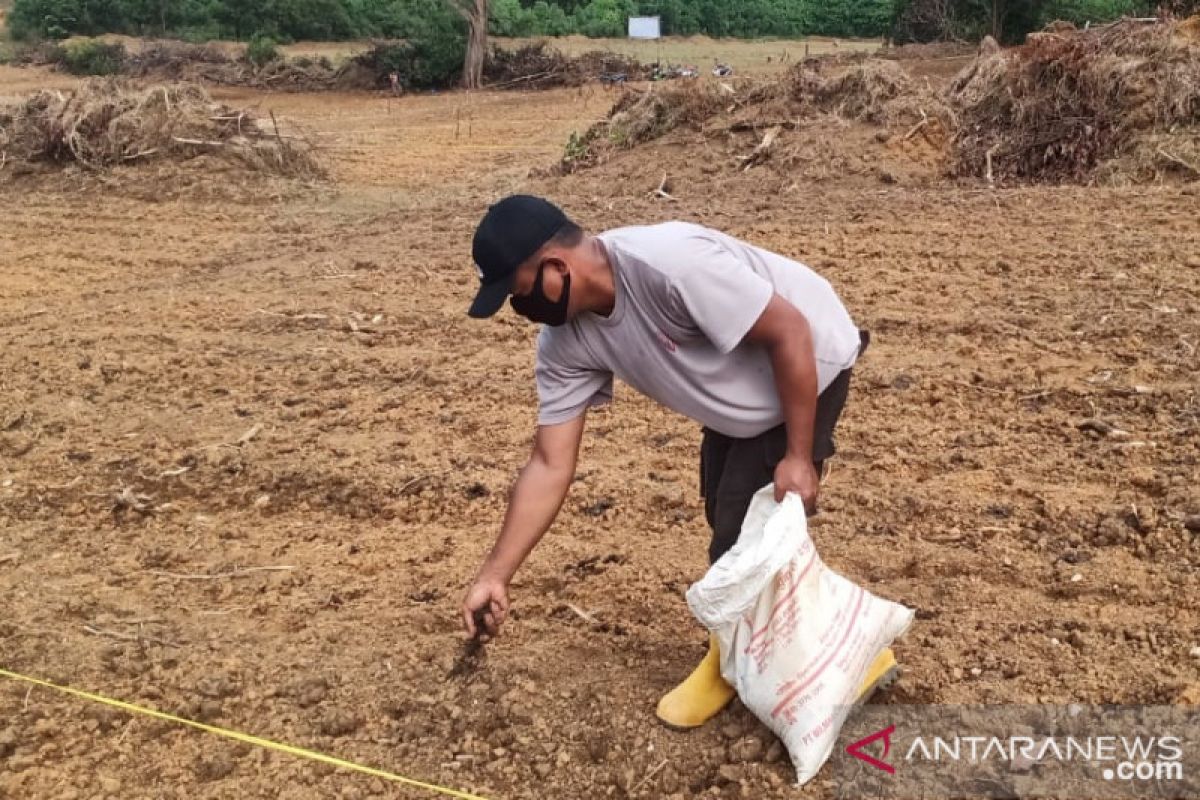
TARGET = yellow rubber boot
(704,692)
(882,674)
(699,698)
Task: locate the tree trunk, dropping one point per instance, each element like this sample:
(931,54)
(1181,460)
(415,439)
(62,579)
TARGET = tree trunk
(477,25)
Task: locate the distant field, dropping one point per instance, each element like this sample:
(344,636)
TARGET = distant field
(744,55)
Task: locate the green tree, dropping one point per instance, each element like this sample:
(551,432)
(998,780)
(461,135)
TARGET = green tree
(57,19)
(862,18)
(475,14)
(510,18)
(604,17)
(318,20)
(245,18)
(549,19)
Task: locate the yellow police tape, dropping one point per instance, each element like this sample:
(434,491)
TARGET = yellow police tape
(242,737)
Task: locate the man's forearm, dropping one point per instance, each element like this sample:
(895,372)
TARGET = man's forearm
(796,380)
(536,498)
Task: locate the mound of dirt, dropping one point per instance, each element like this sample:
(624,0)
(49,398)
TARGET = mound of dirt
(539,66)
(1058,107)
(106,122)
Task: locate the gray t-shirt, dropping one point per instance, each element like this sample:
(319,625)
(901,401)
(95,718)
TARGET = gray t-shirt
(685,298)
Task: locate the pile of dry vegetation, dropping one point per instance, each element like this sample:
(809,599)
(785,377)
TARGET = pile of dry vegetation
(872,91)
(206,63)
(1061,106)
(1116,103)
(106,122)
(532,66)
(539,66)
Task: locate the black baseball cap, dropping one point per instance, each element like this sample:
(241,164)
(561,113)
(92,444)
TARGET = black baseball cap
(510,232)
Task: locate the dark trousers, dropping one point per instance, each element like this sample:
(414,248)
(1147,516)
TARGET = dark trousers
(732,470)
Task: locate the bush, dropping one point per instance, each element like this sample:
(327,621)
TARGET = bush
(421,64)
(604,18)
(93,57)
(261,51)
(550,20)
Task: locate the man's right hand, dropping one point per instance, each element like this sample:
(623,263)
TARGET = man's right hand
(535,500)
(487,598)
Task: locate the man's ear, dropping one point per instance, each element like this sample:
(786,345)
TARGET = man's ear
(557,264)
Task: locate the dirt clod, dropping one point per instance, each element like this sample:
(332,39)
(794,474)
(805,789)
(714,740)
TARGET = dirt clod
(747,748)
(338,722)
(214,768)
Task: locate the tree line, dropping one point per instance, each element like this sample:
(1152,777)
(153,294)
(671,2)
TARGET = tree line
(286,20)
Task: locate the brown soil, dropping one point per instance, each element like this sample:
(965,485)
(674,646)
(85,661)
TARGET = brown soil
(196,384)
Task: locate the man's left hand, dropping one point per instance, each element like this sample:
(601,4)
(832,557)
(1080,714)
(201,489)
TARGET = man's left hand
(796,474)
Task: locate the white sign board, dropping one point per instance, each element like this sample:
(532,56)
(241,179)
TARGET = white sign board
(644,28)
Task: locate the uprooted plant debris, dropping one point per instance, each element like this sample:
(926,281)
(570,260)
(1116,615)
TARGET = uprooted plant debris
(168,60)
(180,61)
(532,66)
(106,122)
(871,91)
(538,66)
(1058,106)
(1115,103)
(171,60)
(641,116)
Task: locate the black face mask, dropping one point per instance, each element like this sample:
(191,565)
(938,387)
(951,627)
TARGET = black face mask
(536,307)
